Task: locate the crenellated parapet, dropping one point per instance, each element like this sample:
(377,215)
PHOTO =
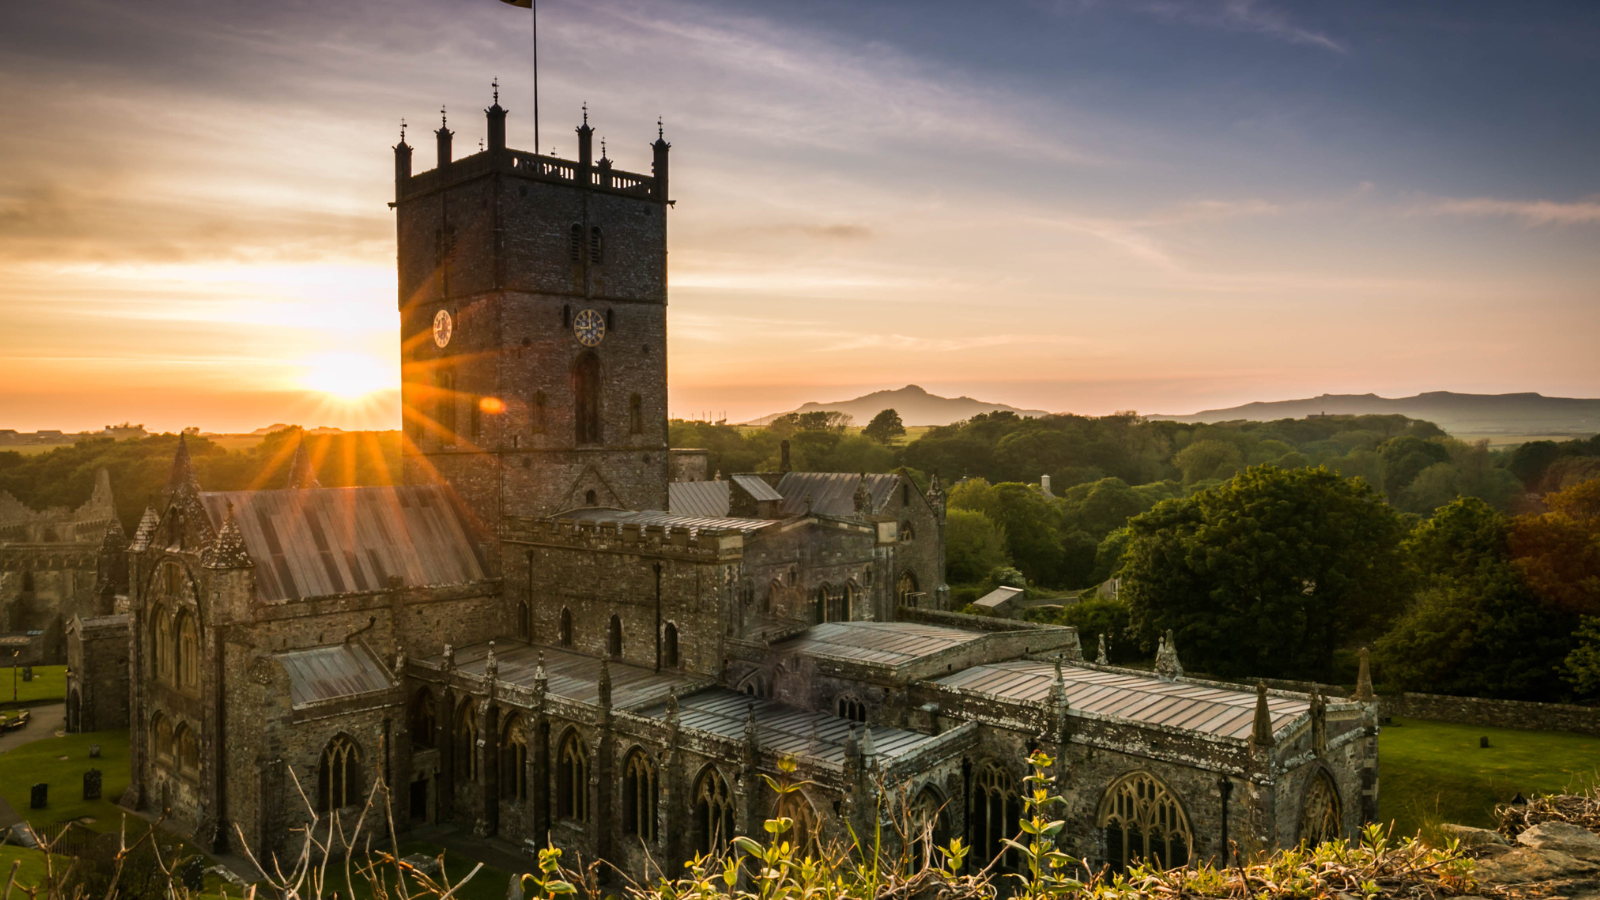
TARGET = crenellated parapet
(702,545)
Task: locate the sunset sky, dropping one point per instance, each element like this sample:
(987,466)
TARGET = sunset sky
(1076,205)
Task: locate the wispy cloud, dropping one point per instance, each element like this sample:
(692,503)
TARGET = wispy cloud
(1250,16)
(1530,212)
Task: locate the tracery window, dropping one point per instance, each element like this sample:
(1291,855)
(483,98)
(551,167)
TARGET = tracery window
(188,656)
(832,604)
(907,532)
(804,835)
(161,733)
(996,812)
(161,644)
(572,779)
(639,797)
(466,763)
(713,813)
(929,826)
(422,719)
(514,760)
(905,590)
(339,775)
(188,749)
(596,246)
(849,707)
(1322,819)
(1143,822)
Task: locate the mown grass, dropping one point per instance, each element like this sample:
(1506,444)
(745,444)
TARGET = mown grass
(1431,773)
(49,683)
(41,761)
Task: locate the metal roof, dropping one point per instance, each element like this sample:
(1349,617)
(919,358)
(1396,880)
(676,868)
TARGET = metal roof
(329,673)
(997,597)
(708,499)
(784,729)
(831,493)
(319,541)
(568,674)
(1146,699)
(756,487)
(667,520)
(882,643)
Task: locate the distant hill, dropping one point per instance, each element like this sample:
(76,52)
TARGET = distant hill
(915,406)
(1455,413)
(279,426)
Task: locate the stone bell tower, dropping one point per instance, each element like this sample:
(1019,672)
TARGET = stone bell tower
(533,325)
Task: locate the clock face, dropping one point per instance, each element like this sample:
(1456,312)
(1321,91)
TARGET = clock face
(590,328)
(443,327)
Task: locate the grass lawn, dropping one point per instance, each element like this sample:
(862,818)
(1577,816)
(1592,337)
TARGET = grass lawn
(1433,772)
(49,683)
(39,761)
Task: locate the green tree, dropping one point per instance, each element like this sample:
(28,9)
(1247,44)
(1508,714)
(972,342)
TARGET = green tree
(1208,459)
(1404,458)
(1582,665)
(974,546)
(885,427)
(1267,574)
(1031,523)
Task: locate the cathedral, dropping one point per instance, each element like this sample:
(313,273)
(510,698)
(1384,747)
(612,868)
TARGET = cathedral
(559,631)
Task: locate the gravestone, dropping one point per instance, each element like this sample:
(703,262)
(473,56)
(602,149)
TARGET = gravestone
(94,751)
(193,873)
(27,673)
(40,798)
(91,784)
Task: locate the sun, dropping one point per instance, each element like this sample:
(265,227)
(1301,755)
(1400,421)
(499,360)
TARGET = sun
(347,376)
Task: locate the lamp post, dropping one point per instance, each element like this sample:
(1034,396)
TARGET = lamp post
(14,655)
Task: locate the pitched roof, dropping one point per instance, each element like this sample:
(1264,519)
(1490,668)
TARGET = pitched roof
(781,728)
(998,597)
(883,643)
(707,499)
(756,487)
(568,674)
(695,524)
(831,493)
(331,673)
(321,541)
(1146,699)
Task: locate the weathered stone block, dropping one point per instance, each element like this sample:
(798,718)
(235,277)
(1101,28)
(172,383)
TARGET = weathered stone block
(91,784)
(1563,837)
(39,798)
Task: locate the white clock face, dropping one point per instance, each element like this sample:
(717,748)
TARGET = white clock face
(589,327)
(443,327)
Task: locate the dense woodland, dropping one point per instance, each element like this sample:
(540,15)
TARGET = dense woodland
(1268,548)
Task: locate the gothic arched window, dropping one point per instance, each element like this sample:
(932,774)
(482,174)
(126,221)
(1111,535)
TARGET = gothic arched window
(596,246)
(161,734)
(188,748)
(586,398)
(639,797)
(575,243)
(907,532)
(422,719)
(514,760)
(832,605)
(161,643)
(905,590)
(669,646)
(635,414)
(804,834)
(713,813)
(339,775)
(1143,822)
(1322,819)
(996,811)
(564,628)
(467,743)
(850,707)
(188,656)
(572,779)
(614,638)
(929,827)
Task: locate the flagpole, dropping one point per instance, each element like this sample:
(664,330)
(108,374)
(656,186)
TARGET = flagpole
(534,7)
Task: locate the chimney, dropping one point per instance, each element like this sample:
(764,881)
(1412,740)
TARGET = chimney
(1044,485)
(444,134)
(658,165)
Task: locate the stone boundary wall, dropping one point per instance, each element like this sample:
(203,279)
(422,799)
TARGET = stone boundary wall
(1495,713)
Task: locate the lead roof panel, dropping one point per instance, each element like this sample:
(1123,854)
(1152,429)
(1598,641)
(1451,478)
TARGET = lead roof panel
(883,643)
(705,499)
(331,673)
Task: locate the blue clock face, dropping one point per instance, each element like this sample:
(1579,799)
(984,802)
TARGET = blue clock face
(589,327)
